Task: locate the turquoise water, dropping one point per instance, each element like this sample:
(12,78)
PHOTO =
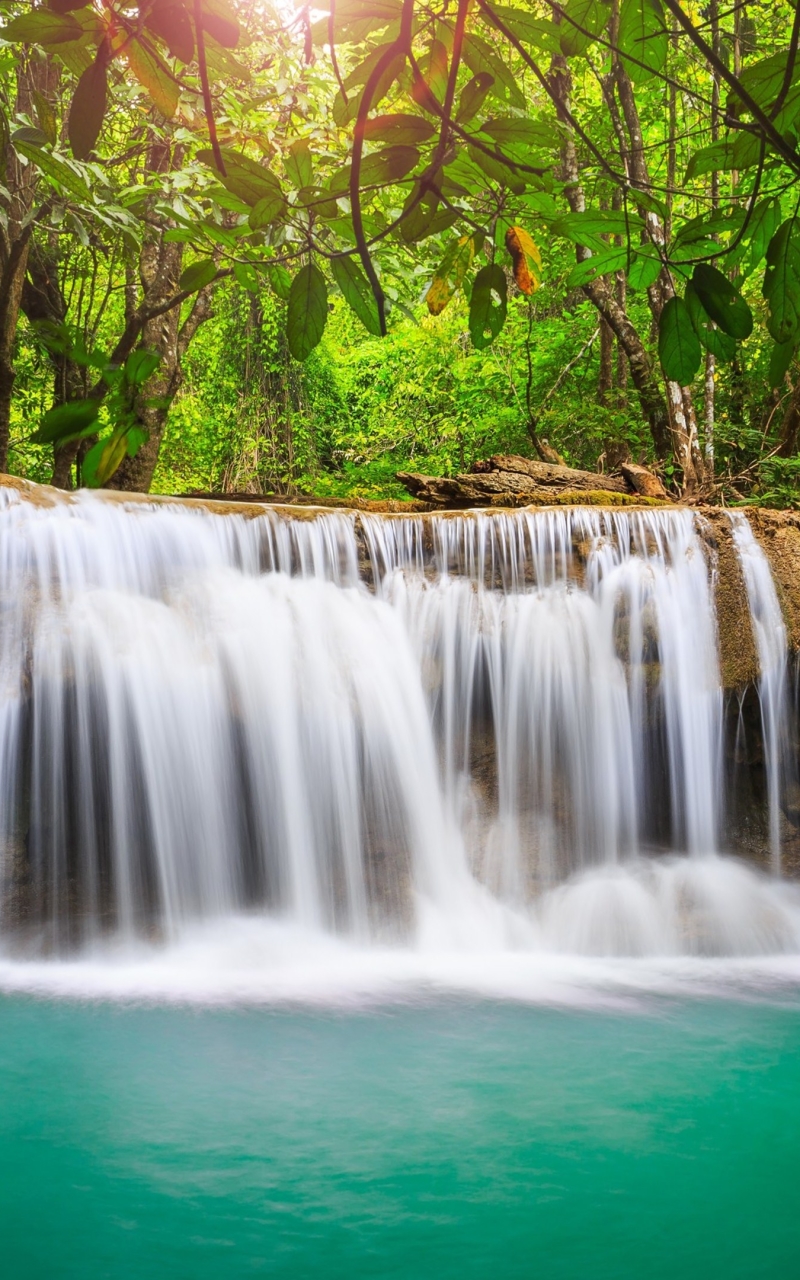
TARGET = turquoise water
(452,1139)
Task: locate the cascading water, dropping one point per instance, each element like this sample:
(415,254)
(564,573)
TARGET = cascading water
(770,636)
(480,731)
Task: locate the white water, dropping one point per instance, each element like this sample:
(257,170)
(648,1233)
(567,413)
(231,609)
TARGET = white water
(462,740)
(770,636)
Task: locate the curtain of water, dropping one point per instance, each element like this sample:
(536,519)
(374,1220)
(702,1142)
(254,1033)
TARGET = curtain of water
(341,720)
(770,636)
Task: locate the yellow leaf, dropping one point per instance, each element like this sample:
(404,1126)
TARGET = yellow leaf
(526,258)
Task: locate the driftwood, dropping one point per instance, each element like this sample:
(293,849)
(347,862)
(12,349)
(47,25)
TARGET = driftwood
(643,481)
(512,481)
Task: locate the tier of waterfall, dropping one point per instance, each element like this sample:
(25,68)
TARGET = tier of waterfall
(362,724)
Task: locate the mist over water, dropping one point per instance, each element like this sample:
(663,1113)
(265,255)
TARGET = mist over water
(346,756)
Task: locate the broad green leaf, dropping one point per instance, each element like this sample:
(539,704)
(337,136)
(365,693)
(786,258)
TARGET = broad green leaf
(540,33)
(714,339)
(526,259)
(600,264)
(582,23)
(153,76)
(307,311)
(266,211)
(198,275)
(247,276)
(473,96)
(141,365)
(68,421)
(519,137)
(60,173)
(644,270)
(678,344)
(417,223)
(42,26)
(399,129)
(28,133)
(357,292)
(480,56)
(46,117)
(246,179)
(434,70)
(487,305)
(222,64)
(763,80)
(169,20)
(88,107)
(712,159)
(781,286)
(280,280)
(780,358)
(643,35)
(722,301)
(103,459)
(379,169)
(449,275)
(298,164)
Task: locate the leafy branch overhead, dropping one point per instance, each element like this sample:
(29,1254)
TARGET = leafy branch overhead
(418,155)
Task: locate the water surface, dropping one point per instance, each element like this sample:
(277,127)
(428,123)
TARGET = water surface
(453,1138)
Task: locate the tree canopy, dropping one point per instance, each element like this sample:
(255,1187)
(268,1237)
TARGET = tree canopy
(388,155)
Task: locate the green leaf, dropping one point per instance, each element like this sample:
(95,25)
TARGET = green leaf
(763,80)
(480,56)
(678,344)
(154,77)
(46,117)
(715,340)
(27,133)
(247,276)
(722,301)
(266,211)
(712,159)
(357,292)
(307,312)
(531,30)
(399,129)
(135,438)
(141,365)
(600,264)
(88,106)
(103,459)
(280,280)
(298,164)
(42,26)
(763,224)
(247,179)
(487,305)
(60,173)
(644,270)
(450,273)
(473,95)
(198,275)
(68,421)
(591,16)
(781,286)
(779,361)
(643,35)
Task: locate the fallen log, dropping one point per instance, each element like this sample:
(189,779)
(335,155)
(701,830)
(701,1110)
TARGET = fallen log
(508,480)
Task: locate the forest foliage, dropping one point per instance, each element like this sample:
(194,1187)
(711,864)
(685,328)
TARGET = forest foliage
(246,247)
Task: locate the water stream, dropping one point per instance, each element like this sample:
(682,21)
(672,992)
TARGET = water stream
(371,737)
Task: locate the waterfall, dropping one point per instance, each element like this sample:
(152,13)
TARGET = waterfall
(497,725)
(770,637)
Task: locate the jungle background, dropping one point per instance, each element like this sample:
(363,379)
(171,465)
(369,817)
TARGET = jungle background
(121,203)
